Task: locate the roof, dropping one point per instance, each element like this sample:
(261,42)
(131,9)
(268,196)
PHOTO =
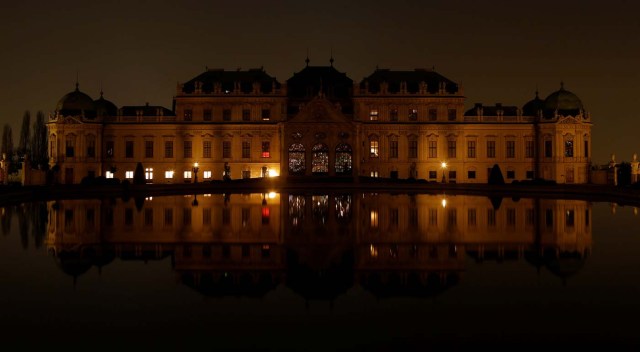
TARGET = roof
(312,80)
(228,79)
(492,110)
(147,110)
(413,80)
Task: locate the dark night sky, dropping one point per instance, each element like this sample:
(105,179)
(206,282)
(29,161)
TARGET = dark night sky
(499,50)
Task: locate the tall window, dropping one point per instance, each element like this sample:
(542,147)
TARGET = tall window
(148,173)
(568,149)
(393,149)
(491,149)
(207,115)
(226,149)
(374,147)
(433,149)
(343,159)
(529,149)
(246,149)
(511,149)
(548,149)
(148,149)
(266,149)
(296,159)
(168,149)
(188,114)
(70,146)
(451,149)
(206,149)
(373,115)
(320,161)
(187,149)
(128,149)
(91,146)
(413,148)
(109,152)
(246,115)
(471,149)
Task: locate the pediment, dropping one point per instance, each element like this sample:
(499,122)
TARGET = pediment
(71,120)
(320,110)
(568,120)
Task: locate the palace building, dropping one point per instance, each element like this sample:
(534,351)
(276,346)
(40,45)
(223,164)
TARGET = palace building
(319,123)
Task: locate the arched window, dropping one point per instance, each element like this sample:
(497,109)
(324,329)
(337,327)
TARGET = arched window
(343,159)
(320,161)
(296,159)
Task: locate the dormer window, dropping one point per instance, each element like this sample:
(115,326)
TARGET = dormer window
(188,114)
(413,114)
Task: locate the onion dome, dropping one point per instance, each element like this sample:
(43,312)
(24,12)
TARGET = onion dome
(533,107)
(563,102)
(104,107)
(76,103)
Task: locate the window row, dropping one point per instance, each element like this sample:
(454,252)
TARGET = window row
(452,149)
(412,114)
(187,149)
(246,115)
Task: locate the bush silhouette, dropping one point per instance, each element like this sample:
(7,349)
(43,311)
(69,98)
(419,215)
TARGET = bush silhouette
(495,177)
(138,175)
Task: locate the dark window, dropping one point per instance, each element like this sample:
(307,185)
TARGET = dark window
(207,115)
(586,149)
(148,149)
(586,217)
(148,217)
(529,149)
(70,148)
(226,250)
(511,174)
(413,216)
(511,217)
(128,149)
(188,114)
(246,250)
(246,216)
(471,149)
(530,216)
(187,149)
(128,216)
(451,114)
(91,217)
(529,174)
(266,114)
(168,149)
(226,149)
(491,217)
(568,149)
(246,173)
(548,217)
(110,149)
(266,251)
(491,149)
(413,114)
(413,148)
(206,216)
(433,149)
(433,174)
(548,149)
(246,149)
(226,216)
(569,218)
(433,114)
(511,149)
(451,151)
(206,149)
(471,174)
(471,217)
(186,216)
(452,175)
(91,148)
(393,149)
(246,115)
(226,115)
(393,115)
(168,217)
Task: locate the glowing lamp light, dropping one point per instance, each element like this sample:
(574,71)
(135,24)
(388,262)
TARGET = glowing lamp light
(444,164)
(444,202)
(272,195)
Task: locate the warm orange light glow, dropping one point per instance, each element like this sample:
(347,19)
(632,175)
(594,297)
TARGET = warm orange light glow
(444,164)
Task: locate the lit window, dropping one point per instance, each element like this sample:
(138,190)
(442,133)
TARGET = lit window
(109,174)
(148,173)
(374,218)
(207,174)
(168,174)
(266,149)
(374,148)
(374,174)
(568,149)
(187,175)
(128,174)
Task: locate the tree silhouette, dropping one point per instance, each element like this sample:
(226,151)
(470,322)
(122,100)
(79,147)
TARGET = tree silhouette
(495,176)
(24,142)
(7,141)
(39,141)
(138,175)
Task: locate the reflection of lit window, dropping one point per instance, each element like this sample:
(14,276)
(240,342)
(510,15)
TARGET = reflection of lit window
(128,174)
(168,174)
(374,174)
(320,206)
(343,207)
(373,250)
(393,251)
(374,218)
(296,209)
(569,218)
(343,159)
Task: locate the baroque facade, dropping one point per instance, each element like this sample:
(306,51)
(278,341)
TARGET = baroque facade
(391,124)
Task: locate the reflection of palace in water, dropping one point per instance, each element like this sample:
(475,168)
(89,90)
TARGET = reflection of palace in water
(320,245)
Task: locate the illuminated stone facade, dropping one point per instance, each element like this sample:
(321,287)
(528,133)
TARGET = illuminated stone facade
(392,124)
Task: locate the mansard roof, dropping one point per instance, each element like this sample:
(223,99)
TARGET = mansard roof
(413,79)
(228,80)
(313,80)
(492,110)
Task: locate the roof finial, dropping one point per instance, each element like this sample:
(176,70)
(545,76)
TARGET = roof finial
(307,59)
(537,92)
(433,68)
(561,85)
(331,59)
(77,84)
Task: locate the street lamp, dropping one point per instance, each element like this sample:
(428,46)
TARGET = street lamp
(444,170)
(195,172)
